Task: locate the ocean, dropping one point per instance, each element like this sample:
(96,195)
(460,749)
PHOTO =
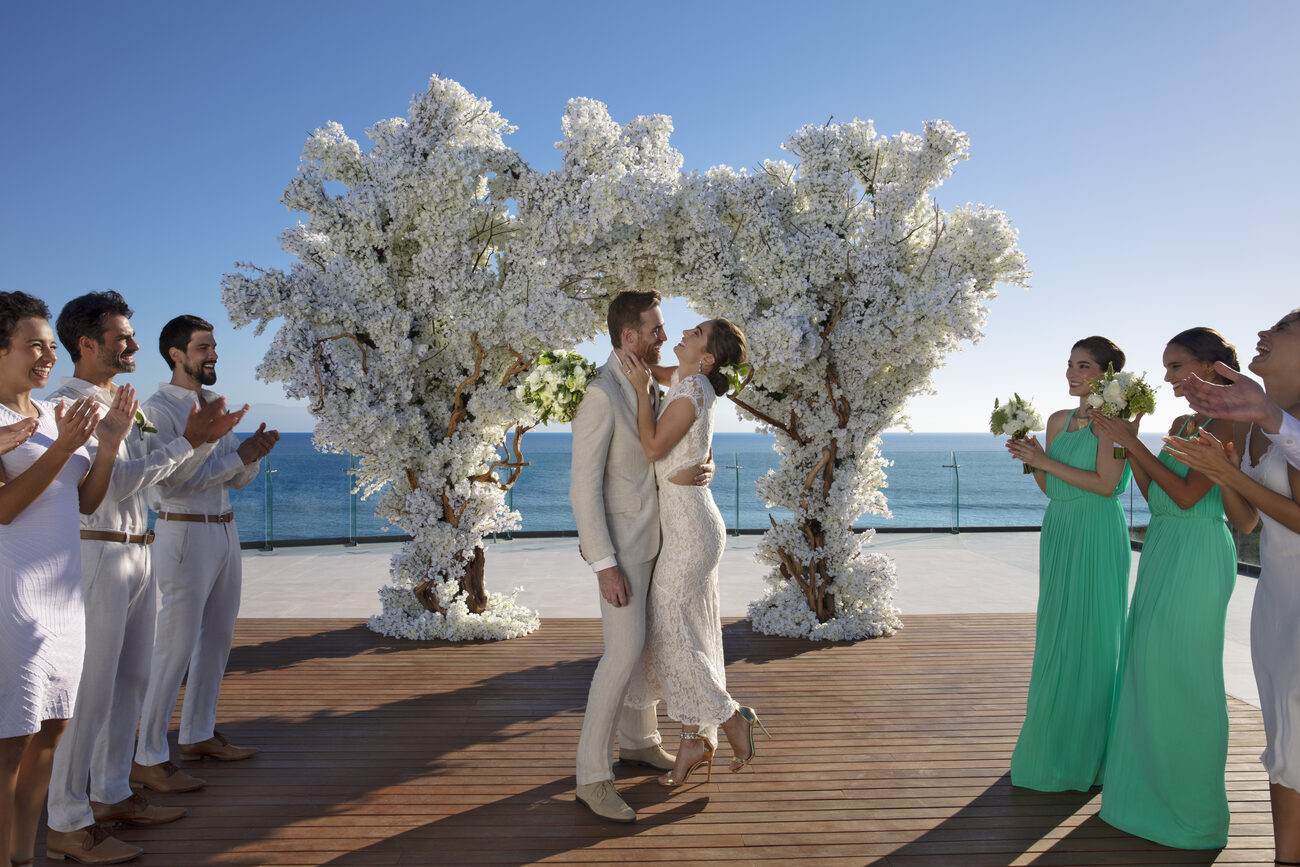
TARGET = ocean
(938,480)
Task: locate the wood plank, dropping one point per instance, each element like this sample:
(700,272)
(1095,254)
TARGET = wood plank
(893,752)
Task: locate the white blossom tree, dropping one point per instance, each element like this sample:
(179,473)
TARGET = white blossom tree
(434,267)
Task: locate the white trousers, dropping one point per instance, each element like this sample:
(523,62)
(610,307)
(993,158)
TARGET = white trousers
(636,728)
(199,575)
(93,758)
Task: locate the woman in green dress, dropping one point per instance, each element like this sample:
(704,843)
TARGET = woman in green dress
(1083,567)
(1169,730)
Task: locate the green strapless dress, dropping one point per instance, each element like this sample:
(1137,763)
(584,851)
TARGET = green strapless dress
(1083,567)
(1169,730)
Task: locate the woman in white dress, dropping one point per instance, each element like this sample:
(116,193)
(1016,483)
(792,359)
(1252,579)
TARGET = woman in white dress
(682,662)
(45,479)
(1262,486)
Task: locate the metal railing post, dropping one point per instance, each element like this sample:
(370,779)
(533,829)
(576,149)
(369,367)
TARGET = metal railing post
(956,491)
(737,467)
(268,487)
(352,501)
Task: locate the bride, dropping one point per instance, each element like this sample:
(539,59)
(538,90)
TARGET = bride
(682,659)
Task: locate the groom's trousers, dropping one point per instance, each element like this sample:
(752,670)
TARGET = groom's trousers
(636,728)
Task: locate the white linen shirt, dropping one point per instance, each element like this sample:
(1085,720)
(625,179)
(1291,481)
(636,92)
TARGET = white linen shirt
(1288,437)
(205,491)
(143,459)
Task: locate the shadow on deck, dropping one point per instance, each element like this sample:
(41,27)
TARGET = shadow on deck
(891,752)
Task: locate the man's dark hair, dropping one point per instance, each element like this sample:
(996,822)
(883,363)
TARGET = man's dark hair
(625,312)
(177,333)
(15,306)
(84,316)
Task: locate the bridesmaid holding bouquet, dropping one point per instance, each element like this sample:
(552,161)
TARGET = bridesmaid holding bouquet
(1083,567)
(1169,731)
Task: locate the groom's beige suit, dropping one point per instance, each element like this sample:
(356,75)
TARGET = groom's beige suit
(616,508)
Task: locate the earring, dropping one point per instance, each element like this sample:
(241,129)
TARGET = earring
(701,366)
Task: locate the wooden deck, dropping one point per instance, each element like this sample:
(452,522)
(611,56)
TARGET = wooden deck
(890,752)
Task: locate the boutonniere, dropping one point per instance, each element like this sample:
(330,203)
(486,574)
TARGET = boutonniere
(143,423)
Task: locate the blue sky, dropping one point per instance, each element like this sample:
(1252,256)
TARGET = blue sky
(1144,150)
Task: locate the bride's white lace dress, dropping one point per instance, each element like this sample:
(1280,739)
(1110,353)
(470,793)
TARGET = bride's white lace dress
(682,660)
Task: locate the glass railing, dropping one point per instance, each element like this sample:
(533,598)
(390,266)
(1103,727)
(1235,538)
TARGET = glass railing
(302,496)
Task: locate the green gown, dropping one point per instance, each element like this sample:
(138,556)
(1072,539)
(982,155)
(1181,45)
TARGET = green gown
(1083,566)
(1169,731)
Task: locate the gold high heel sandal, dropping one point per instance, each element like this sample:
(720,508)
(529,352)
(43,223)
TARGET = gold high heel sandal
(668,781)
(749,716)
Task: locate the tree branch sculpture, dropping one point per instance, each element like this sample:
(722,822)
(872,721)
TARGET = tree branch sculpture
(459,264)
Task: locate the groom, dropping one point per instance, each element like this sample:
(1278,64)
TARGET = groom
(616,508)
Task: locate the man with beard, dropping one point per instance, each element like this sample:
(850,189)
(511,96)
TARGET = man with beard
(92,764)
(197,560)
(616,509)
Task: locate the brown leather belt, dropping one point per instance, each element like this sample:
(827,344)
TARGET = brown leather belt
(197,519)
(114,536)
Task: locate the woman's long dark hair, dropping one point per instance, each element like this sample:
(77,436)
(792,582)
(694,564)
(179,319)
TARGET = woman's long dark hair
(1207,345)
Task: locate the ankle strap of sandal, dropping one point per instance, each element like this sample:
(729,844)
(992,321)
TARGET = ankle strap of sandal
(691,736)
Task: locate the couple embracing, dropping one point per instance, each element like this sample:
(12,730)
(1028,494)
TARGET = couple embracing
(650,531)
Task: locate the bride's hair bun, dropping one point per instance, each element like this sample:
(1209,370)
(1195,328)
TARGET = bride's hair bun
(727,345)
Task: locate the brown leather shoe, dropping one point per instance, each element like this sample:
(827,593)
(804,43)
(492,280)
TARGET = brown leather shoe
(217,747)
(88,845)
(165,777)
(135,810)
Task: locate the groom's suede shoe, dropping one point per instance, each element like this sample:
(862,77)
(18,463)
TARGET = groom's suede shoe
(654,756)
(602,799)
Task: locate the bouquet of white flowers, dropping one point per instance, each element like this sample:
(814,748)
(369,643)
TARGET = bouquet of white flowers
(555,387)
(1015,418)
(1122,395)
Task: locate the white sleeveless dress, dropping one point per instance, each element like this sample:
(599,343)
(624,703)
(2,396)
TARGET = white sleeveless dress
(1274,633)
(682,662)
(42,619)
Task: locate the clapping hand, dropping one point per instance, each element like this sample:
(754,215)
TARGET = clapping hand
(75,423)
(116,423)
(210,422)
(1027,449)
(1242,399)
(14,435)
(1122,432)
(1204,453)
(258,445)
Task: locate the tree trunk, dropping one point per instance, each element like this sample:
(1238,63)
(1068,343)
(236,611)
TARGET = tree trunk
(471,585)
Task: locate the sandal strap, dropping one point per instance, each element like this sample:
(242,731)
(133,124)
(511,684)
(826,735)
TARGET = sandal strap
(691,736)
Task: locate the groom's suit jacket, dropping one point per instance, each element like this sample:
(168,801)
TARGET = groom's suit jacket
(611,483)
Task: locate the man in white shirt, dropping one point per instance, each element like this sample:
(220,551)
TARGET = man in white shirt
(1242,399)
(197,560)
(92,765)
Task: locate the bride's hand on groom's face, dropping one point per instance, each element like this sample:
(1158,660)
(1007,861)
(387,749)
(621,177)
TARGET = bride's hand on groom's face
(636,371)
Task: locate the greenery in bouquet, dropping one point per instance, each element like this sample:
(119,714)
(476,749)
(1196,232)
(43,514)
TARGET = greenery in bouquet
(555,387)
(1122,395)
(1015,418)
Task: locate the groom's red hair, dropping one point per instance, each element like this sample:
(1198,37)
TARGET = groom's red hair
(625,312)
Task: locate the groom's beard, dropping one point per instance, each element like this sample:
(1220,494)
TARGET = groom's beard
(651,353)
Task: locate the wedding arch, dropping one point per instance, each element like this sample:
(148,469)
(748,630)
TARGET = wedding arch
(436,266)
